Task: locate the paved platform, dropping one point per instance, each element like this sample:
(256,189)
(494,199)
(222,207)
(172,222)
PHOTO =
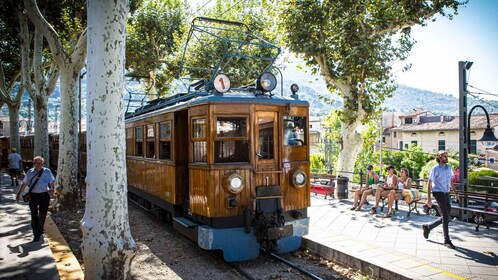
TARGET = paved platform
(19,257)
(394,248)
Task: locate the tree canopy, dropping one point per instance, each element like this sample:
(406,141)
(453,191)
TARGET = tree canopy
(154,32)
(353,44)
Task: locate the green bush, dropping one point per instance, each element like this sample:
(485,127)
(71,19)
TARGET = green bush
(424,173)
(475,180)
(317,162)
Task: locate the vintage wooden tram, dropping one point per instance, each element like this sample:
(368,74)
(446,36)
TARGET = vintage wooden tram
(230,166)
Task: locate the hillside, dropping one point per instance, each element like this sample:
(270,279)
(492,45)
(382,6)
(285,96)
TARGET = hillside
(404,99)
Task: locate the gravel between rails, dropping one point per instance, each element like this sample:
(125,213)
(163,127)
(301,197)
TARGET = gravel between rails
(163,253)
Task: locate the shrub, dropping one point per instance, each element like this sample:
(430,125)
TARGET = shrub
(475,179)
(424,173)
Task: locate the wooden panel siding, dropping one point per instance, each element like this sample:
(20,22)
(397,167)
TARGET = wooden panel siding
(295,198)
(208,197)
(155,177)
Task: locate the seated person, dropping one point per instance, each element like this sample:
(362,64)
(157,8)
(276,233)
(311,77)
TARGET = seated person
(294,138)
(404,182)
(383,190)
(372,180)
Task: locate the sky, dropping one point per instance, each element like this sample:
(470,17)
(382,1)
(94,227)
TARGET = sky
(472,35)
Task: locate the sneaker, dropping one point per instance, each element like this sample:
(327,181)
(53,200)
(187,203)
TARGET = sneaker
(449,245)
(426,231)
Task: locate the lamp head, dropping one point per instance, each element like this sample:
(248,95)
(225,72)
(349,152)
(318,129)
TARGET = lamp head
(488,139)
(468,64)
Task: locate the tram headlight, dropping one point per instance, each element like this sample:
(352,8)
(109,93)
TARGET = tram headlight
(299,178)
(234,183)
(266,82)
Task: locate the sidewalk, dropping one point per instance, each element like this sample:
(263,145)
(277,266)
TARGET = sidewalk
(19,257)
(395,248)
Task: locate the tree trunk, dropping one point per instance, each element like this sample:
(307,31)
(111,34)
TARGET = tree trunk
(67,165)
(108,247)
(14,126)
(351,145)
(41,127)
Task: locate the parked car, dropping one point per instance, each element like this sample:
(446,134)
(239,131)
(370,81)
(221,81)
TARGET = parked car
(478,204)
(323,186)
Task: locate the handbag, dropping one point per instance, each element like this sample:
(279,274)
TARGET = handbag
(27,197)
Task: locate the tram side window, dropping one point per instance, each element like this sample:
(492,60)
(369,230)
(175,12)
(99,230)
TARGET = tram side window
(295,131)
(199,144)
(165,140)
(129,141)
(151,141)
(139,141)
(266,144)
(231,143)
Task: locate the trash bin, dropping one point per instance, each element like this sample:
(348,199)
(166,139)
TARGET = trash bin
(341,187)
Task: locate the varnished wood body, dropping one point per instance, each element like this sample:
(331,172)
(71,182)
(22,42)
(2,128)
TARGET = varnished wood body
(181,179)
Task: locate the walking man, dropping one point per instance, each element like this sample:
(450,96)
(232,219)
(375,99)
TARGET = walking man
(41,183)
(14,164)
(439,185)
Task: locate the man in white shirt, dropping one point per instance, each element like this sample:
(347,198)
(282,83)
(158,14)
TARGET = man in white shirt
(14,164)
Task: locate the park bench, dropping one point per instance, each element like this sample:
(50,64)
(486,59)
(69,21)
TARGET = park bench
(481,216)
(412,206)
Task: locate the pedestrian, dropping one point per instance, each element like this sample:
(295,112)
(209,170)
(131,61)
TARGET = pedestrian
(439,184)
(41,182)
(14,164)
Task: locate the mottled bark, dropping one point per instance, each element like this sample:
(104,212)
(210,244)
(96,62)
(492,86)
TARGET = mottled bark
(108,247)
(351,144)
(14,126)
(41,127)
(67,165)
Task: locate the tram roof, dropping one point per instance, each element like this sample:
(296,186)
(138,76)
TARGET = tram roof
(183,100)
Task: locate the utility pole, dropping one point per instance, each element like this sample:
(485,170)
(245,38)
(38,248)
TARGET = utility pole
(463,151)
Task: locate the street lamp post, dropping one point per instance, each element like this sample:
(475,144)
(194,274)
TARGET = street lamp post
(488,139)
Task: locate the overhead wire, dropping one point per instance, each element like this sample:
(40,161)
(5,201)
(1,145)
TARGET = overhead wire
(482,100)
(202,7)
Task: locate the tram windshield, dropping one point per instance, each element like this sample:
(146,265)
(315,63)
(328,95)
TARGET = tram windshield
(231,144)
(295,131)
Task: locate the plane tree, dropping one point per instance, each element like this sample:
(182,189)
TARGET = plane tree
(11,90)
(108,247)
(353,45)
(68,51)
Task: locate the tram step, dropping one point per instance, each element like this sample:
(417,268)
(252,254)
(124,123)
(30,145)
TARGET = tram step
(184,222)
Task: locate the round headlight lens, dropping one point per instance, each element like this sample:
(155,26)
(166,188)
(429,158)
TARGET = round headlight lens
(234,183)
(267,81)
(299,178)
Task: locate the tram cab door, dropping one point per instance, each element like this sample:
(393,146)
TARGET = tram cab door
(268,190)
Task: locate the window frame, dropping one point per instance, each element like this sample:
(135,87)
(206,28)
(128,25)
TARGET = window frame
(204,138)
(166,139)
(217,138)
(136,140)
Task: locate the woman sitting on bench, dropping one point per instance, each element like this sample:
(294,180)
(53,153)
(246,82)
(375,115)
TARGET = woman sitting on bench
(372,181)
(404,182)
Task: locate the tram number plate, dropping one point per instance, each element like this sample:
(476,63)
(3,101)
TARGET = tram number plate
(276,233)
